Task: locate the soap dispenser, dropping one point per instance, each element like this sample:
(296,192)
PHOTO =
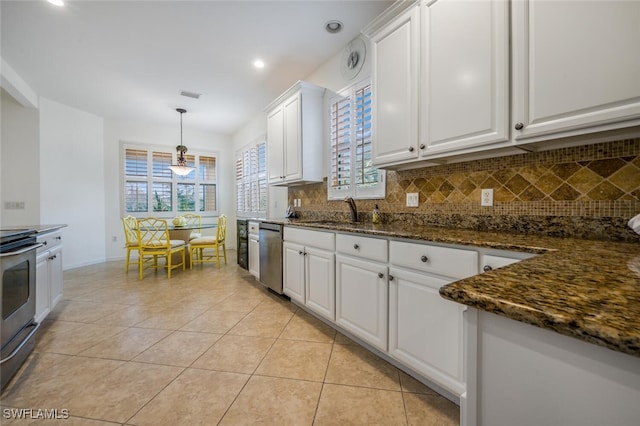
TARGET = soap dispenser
(375,215)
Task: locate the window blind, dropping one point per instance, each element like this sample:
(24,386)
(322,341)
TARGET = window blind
(150,187)
(351,157)
(251,182)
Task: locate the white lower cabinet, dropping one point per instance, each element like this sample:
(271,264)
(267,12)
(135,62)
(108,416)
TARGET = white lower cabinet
(254,249)
(293,273)
(309,269)
(362,299)
(320,288)
(43,296)
(425,330)
(49,279)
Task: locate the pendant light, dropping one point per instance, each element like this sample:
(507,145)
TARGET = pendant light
(181,169)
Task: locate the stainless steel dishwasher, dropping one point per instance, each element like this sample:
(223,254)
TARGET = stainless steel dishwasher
(270,238)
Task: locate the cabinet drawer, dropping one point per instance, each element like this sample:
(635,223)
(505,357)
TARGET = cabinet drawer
(366,247)
(450,262)
(308,238)
(50,240)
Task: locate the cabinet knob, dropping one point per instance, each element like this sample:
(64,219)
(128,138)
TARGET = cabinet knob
(422,146)
(424,258)
(58,238)
(44,242)
(300,253)
(487,268)
(380,275)
(391,278)
(356,247)
(519,126)
(411,149)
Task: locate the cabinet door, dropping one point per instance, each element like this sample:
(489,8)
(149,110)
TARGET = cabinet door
(362,299)
(293,272)
(55,275)
(425,330)
(275,145)
(320,282)
(43,298)
(292,139)
(395,87)
(465,74)
(254,256)
(576,66)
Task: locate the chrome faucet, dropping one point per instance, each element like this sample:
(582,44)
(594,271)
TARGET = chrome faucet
(354,209)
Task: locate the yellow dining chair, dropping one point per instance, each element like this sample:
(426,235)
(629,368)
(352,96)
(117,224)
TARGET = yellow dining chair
(130,225)
(199,245)
(194,221)
(154,242)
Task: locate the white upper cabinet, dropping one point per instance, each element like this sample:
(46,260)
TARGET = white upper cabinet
(576,67)
(395,82)
(294,136)
(464,51)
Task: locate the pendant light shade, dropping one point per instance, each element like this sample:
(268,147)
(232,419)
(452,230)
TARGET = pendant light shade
(181,169)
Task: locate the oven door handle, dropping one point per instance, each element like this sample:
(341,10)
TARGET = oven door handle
(24,250)
(24,342)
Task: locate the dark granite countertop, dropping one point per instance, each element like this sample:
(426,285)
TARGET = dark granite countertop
(581,288)
(40,229)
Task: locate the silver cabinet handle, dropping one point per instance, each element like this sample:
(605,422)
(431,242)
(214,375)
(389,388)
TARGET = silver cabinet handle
(519,126)
(487,268)
(380,275)
(424,258)
(410,149)
(356,247)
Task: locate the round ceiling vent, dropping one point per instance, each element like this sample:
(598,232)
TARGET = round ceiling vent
(353,58)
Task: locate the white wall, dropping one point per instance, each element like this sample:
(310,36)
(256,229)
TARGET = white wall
(72,180)
(20,162)
(117,131)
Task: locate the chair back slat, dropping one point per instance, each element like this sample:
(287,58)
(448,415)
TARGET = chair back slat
(130,225)
(221,231)
(194,220)
(153,233)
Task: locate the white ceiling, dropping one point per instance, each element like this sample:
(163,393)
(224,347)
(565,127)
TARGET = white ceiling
(131,59)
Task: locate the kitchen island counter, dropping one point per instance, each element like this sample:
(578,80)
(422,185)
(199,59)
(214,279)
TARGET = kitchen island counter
(586,289)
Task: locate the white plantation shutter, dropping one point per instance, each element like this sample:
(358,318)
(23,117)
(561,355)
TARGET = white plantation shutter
(251,179)
(352,172)
(150,188)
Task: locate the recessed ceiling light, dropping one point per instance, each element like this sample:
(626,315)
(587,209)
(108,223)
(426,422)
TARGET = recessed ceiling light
(333,26)
(56,2)
(258,63)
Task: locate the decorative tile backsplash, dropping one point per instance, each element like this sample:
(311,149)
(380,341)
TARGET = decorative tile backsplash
(592,189)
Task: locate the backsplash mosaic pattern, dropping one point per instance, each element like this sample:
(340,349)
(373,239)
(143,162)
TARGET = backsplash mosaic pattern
(592,187)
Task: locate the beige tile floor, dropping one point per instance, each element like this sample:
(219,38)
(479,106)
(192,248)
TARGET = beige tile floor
(207,347)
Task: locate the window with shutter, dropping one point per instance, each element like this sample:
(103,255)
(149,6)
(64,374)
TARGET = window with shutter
(352,172)
(150,188)
(251,180)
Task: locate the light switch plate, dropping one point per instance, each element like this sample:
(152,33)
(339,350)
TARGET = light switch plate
(412,199)
(486,199)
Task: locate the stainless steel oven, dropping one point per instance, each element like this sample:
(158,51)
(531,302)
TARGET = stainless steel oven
(17,299)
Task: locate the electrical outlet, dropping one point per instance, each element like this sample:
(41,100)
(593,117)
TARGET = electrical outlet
(412,199)
(299,202)
(486,198)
